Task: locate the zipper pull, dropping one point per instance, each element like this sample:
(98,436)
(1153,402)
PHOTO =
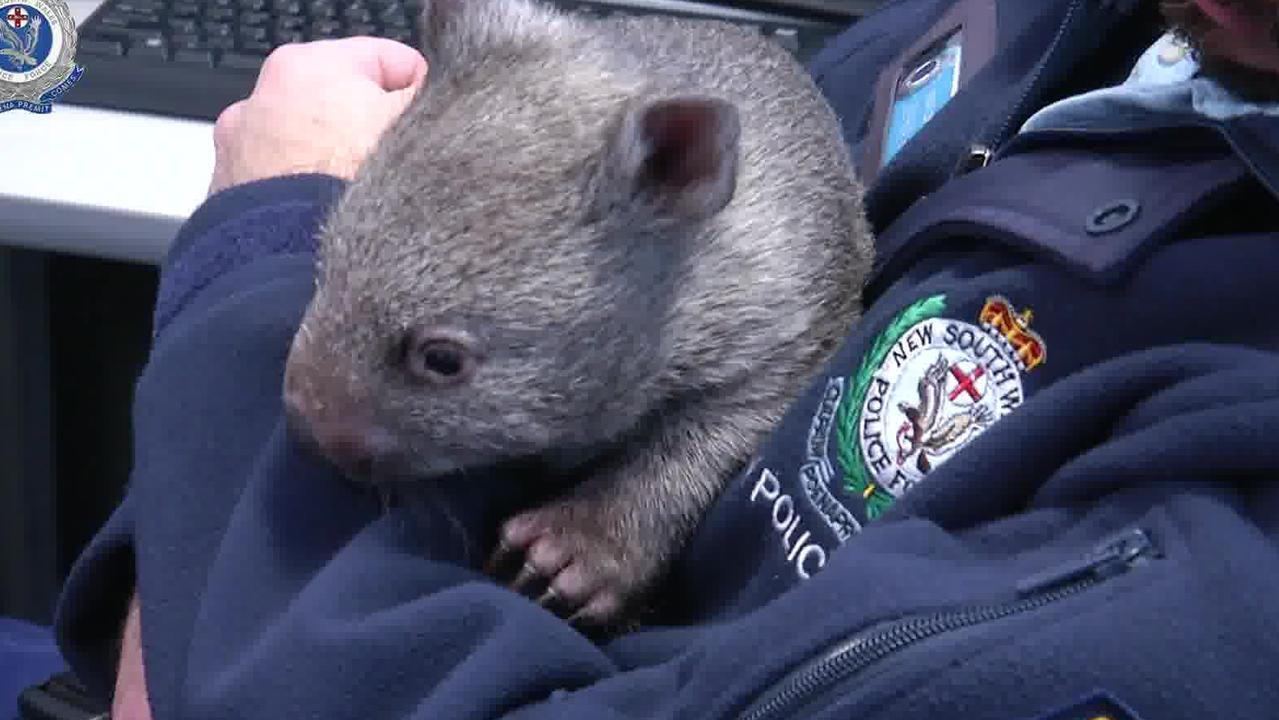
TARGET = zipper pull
(977,157)
(1111,558)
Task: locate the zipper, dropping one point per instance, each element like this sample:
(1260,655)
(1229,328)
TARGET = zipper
(981,153)
(859,652)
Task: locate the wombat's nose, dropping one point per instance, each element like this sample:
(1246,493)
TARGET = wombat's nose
(333,423)
(354,448)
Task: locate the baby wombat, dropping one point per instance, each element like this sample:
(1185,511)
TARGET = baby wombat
(618,247)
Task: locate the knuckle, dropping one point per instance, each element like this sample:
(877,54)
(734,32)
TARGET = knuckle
(225,123)
(283,57)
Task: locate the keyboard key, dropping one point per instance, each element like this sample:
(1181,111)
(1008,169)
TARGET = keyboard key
(221,43)
(184,10)
(289,36)
(321,9)
(393,17)
(221,3)
(149,51)
(253,5)
(254,19)
(142,36)
(362,29)
(100,47)
(136,6)
(253,33)
(286,7)
(256,47)
(114,19)
(240,62)
(290,22)
(141,18)
(218,29)
(182,26)
(325,29)
(357,14)
(125,35)
(221,14)
(194,57)
(186,42)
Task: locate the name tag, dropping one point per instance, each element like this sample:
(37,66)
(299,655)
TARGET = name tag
(924,89)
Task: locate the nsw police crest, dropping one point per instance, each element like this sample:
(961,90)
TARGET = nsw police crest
(37,54)
(927,387)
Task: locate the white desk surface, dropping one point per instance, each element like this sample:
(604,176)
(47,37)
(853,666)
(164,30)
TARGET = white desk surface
(98,182)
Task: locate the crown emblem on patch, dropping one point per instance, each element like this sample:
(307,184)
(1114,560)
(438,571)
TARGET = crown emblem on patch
(1000,318)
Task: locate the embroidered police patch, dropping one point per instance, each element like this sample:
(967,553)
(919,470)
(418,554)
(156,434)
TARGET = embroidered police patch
(926,388)
(37,54)
(1100,706)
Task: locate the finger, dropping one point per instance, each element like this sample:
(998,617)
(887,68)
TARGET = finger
(391,65)
(286,61)
(399,101)
(403,68)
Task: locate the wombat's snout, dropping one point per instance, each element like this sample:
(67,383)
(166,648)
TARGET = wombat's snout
(355,445)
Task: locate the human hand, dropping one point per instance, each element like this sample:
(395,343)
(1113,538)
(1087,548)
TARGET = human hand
(130,699)
(317,107)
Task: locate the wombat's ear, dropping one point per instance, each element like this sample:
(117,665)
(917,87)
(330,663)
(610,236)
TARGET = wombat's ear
(457,33)
(675,155)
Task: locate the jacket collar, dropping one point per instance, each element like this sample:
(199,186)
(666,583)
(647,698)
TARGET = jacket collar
(1256,139)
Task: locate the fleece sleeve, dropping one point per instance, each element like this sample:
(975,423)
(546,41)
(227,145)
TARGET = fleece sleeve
(233,230)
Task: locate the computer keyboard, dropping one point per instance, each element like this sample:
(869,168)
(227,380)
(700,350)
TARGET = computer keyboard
(192,58)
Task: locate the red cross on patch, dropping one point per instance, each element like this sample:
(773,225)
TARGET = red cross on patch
(967,382)
(17,17)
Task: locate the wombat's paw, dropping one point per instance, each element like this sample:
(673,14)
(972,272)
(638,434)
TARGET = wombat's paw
(569,558)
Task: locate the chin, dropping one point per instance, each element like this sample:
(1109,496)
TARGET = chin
(1215,48)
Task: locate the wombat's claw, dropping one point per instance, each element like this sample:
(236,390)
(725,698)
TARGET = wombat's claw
(574,573)
(527,575)
(504,561)
(549,597)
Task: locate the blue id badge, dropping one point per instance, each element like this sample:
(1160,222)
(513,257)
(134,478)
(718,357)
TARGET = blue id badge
(929,83)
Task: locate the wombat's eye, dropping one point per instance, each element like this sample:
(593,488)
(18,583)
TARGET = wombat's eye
(437,359)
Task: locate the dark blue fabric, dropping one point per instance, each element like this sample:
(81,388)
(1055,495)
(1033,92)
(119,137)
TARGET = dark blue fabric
(1022,393)
(282,219)
(28,656)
